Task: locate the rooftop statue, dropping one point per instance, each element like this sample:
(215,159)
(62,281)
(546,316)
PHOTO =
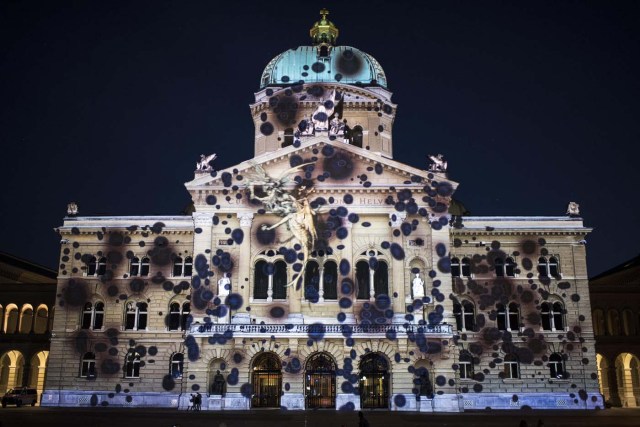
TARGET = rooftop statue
(438,163)
(204,164)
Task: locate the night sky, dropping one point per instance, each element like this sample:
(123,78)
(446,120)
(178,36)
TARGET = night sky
(110,104)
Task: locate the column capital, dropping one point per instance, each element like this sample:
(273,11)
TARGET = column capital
(246,218)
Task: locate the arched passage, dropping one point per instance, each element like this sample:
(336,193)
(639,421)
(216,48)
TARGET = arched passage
(628,376)
(266,379)
(38,371)
(374,381)
(320,381)
(11,370)
(603,376)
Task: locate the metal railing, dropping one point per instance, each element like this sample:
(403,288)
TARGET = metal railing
(327,330)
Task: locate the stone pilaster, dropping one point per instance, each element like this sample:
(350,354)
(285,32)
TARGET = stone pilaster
(397,268)
(242,282)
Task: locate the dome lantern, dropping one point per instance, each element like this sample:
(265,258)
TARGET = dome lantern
(324,33)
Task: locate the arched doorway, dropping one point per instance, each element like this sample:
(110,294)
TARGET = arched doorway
(266,378)
(320,382)
(374,382)
(11,370)
(603,376)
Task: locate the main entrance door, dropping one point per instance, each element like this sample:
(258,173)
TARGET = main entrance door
(374,382)
(320,382)
(266,379)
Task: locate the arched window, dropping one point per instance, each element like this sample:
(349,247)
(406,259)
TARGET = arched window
(556,366)
(552,315)
(288,137)
(280,280)
(12,319)
(144,267)
(260,280)
(134,267)
(511,367)
(136,316)
(102,266)
(464,314)
(543,267)
(311,281)
(499,266)
(93,316)
(628,322)
(188,267)
(88,366)
(598,322)
(510,267)
(177,365)
(613,322)
(132,365)
(92,266)
(362,279)
(356,136)
(26,319)
(177,267)
(42,320)
(381,279)
(508,317)
(178,315)
(455,267)
(330,280)
(466,267)
(554,267)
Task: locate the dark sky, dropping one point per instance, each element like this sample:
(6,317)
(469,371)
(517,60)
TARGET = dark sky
(110,104)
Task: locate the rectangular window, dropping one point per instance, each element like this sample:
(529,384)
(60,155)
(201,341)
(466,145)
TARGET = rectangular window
(466,370)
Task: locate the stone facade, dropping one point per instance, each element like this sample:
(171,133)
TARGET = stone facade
(322,273)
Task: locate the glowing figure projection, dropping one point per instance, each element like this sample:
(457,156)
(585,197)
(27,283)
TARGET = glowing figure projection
(204,164)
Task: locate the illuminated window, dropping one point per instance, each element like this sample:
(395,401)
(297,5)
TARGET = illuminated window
(466,267)
(178,315)
(177,365)
(552,316)
(508,317)
(132,365)
(464,314)
(136,316)
(455,267)
(88,366)
(510,267)
(93,316)
(511,367)
(499,267)
(556,366)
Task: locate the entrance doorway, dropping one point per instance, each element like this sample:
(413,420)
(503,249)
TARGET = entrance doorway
(320,382)
(266,379)
(374,382)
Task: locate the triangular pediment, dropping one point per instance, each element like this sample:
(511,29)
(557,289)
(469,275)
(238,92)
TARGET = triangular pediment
(332,168)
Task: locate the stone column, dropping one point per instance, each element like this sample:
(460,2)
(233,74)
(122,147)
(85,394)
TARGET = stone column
(614,396)
(321,283)
(372,289)
(398,270)
(202,243)
(243,281)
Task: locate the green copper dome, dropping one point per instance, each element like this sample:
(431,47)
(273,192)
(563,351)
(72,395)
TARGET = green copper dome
(323,64)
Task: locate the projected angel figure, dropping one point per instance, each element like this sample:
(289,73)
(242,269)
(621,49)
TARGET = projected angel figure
(438,163)
(296,213)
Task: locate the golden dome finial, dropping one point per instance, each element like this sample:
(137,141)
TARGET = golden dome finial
(323,31)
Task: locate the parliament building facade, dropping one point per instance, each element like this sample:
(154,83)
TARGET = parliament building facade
(321,273)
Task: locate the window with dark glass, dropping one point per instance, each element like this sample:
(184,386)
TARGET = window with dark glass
(132,365)
(362,279)
(280,280)
(455,267)
(556,366)
(330,280)
(88,367)
(311,281)
(177,365)
(499,267)
(381,279)
(466,267)
(511,367)
(510,267)
(260,280)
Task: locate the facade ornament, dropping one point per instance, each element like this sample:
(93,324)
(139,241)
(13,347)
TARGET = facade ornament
(438,163)
(418,287)
(217,388)
(204,165)
(224,285)
(72,209)
(397,218)
(201,219)
(245,219)
(573,209)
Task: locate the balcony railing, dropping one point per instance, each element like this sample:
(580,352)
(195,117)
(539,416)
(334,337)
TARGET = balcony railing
(326,330)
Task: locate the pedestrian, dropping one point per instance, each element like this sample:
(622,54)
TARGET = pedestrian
(198,401)
(362,420)
(192,399)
